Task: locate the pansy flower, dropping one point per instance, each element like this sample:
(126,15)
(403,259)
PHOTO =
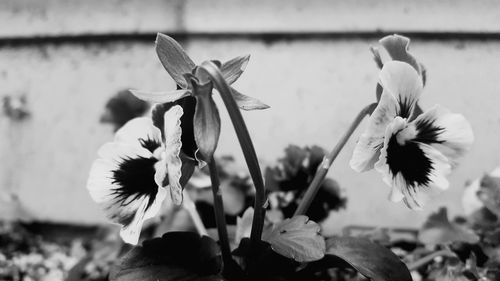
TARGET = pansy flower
(413,156)
(137,171)
(194,92)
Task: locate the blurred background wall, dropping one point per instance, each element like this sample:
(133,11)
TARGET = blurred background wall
(310,62)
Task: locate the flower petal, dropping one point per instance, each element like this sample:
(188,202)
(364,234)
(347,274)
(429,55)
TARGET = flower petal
(173,144)
(206,125)
(448,132)
(247,103)
(122,182)
(173,58)
(367,150)
(130,233)
(402,81)
(398,48)
(232,69)
(140,132)
(160,97)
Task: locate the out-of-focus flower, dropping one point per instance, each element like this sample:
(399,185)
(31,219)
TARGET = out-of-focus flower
(288,181)
(194,92)
(481,190)
(122,108)
(136,172)
(413,156)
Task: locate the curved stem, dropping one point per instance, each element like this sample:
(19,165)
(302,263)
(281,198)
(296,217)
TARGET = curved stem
(220,216)
(320,175)
(429,258)
(246,145)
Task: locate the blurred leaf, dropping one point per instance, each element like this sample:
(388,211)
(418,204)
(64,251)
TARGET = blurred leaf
(439,230)
(297,238)
(244,225)
(175,256)
(372,260)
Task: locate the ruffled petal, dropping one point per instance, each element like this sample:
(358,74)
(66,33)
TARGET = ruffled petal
(173,58)
(140,132)
(232,69)
(160,97)
(367,150)
(448,132)
(247,103)
(403,82)
(173,144)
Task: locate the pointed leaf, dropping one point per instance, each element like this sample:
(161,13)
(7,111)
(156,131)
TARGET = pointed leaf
(297,238)
(206,125)
(173,58)
(232,69)
(175,256)
(439,230)
(372,260)
(247,103)
(160,97)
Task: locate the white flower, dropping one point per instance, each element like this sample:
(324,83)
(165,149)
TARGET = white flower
(413,154)
(471,200)
(134,174)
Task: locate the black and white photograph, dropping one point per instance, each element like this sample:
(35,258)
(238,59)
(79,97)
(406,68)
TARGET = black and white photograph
(238,140)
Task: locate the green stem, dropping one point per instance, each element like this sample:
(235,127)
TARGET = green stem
(220,216)
(320,175)
(429,258)
(246,145)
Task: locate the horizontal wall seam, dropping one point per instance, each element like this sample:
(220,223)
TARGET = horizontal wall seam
(266,36)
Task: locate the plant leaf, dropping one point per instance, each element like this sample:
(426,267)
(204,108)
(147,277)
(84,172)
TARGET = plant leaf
(244,225)
(439,230)
(370,259)
(206,125)
(173,58)
(247,103)
(232,69)
(297,238)
(175,256)
(160,97)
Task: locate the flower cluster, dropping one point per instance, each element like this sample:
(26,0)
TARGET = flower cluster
(414,152)
(152,158)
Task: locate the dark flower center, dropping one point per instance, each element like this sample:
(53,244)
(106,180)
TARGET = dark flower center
(409,160)
(135,178)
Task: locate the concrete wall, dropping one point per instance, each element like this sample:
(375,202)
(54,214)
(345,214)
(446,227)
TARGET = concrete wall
(316,72)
